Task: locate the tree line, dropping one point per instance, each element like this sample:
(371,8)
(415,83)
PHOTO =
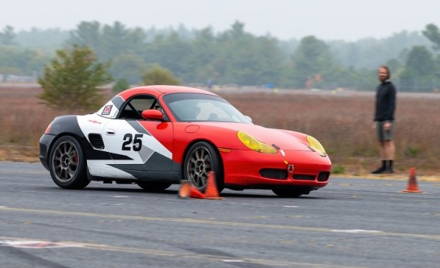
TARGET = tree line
(233,56)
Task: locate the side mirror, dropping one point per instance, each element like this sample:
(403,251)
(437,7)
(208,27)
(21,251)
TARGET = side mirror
(152,115)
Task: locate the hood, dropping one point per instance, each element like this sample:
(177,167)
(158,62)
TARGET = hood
(286,140)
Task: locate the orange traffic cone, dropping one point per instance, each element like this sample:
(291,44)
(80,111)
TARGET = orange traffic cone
(195,193)
(185,189)
(211,187)
(412,183)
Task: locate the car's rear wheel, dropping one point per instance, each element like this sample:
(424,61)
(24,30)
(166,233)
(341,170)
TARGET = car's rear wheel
(153,186)
(67,164)
(201,159)
(291,191)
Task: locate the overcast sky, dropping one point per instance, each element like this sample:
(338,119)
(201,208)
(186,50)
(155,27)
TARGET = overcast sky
(327,19)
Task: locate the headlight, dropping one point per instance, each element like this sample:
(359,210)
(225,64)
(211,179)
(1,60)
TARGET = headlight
(316,146)
(254,144)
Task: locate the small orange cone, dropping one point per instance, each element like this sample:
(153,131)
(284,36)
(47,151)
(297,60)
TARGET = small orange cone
(195,193)
(412,183)
(185,189)
(211,187)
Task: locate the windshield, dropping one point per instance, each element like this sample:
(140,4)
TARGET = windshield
(192,107)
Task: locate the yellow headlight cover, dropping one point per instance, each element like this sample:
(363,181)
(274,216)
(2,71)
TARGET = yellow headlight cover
(254,144)
(316,146)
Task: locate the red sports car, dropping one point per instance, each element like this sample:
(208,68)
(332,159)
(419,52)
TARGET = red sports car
(158,135)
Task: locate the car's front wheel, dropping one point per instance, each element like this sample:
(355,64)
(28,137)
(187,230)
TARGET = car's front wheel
(292,192)
(67,164)
(201,159)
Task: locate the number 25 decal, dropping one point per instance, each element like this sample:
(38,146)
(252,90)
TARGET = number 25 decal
(128,139)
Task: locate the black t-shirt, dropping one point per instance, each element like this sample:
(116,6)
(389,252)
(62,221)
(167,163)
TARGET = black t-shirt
(385,102)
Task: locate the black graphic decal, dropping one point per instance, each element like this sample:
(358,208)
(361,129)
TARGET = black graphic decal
(128,139)
(137,143)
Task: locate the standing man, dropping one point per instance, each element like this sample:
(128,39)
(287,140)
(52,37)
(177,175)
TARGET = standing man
(384,117)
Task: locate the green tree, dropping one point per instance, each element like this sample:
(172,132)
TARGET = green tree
(419,72)
(433,34)
(311,59)
(128,66)
(233,56)
(245,59)
(172,52)
(22,61)
(7,36)
(117,39)
(72,79)
(372,52)
(46,40)
(120,85)
(202,57)
(87,33)
(420,61)
(157,75)
(108,41)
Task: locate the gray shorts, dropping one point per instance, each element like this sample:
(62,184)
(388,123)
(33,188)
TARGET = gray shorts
(382,134)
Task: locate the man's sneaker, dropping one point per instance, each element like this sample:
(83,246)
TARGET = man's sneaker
(388,171)
(380,170)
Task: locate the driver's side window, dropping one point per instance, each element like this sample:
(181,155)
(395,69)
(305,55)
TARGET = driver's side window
(133,109)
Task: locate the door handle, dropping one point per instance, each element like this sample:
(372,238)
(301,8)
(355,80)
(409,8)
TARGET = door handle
(110,131)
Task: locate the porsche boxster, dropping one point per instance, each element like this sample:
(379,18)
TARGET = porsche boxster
(156,136)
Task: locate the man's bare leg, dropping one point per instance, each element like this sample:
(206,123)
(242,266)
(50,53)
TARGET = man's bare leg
(389,152)
(383,155)
(382,151)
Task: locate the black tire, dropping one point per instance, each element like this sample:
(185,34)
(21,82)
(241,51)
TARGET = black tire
(67,164)
(201,158)
(287,192)
(153,186)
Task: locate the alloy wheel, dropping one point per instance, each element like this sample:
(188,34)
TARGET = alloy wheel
(198,166)
(65,161)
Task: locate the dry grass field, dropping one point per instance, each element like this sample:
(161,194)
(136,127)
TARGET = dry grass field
(342,122)
(22,120)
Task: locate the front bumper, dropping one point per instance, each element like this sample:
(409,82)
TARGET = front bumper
(45,143)
(242,168)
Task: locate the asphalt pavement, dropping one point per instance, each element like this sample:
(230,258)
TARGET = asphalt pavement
(349,223)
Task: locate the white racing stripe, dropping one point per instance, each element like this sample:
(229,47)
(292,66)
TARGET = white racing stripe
(103,168)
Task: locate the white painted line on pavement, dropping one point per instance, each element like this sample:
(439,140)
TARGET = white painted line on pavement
(233,261)
(231,224)
(175,254)
(36,244)
(290,207)
(356,231)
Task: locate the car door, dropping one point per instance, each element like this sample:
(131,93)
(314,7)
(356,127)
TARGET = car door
(97,152)
(146,145)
